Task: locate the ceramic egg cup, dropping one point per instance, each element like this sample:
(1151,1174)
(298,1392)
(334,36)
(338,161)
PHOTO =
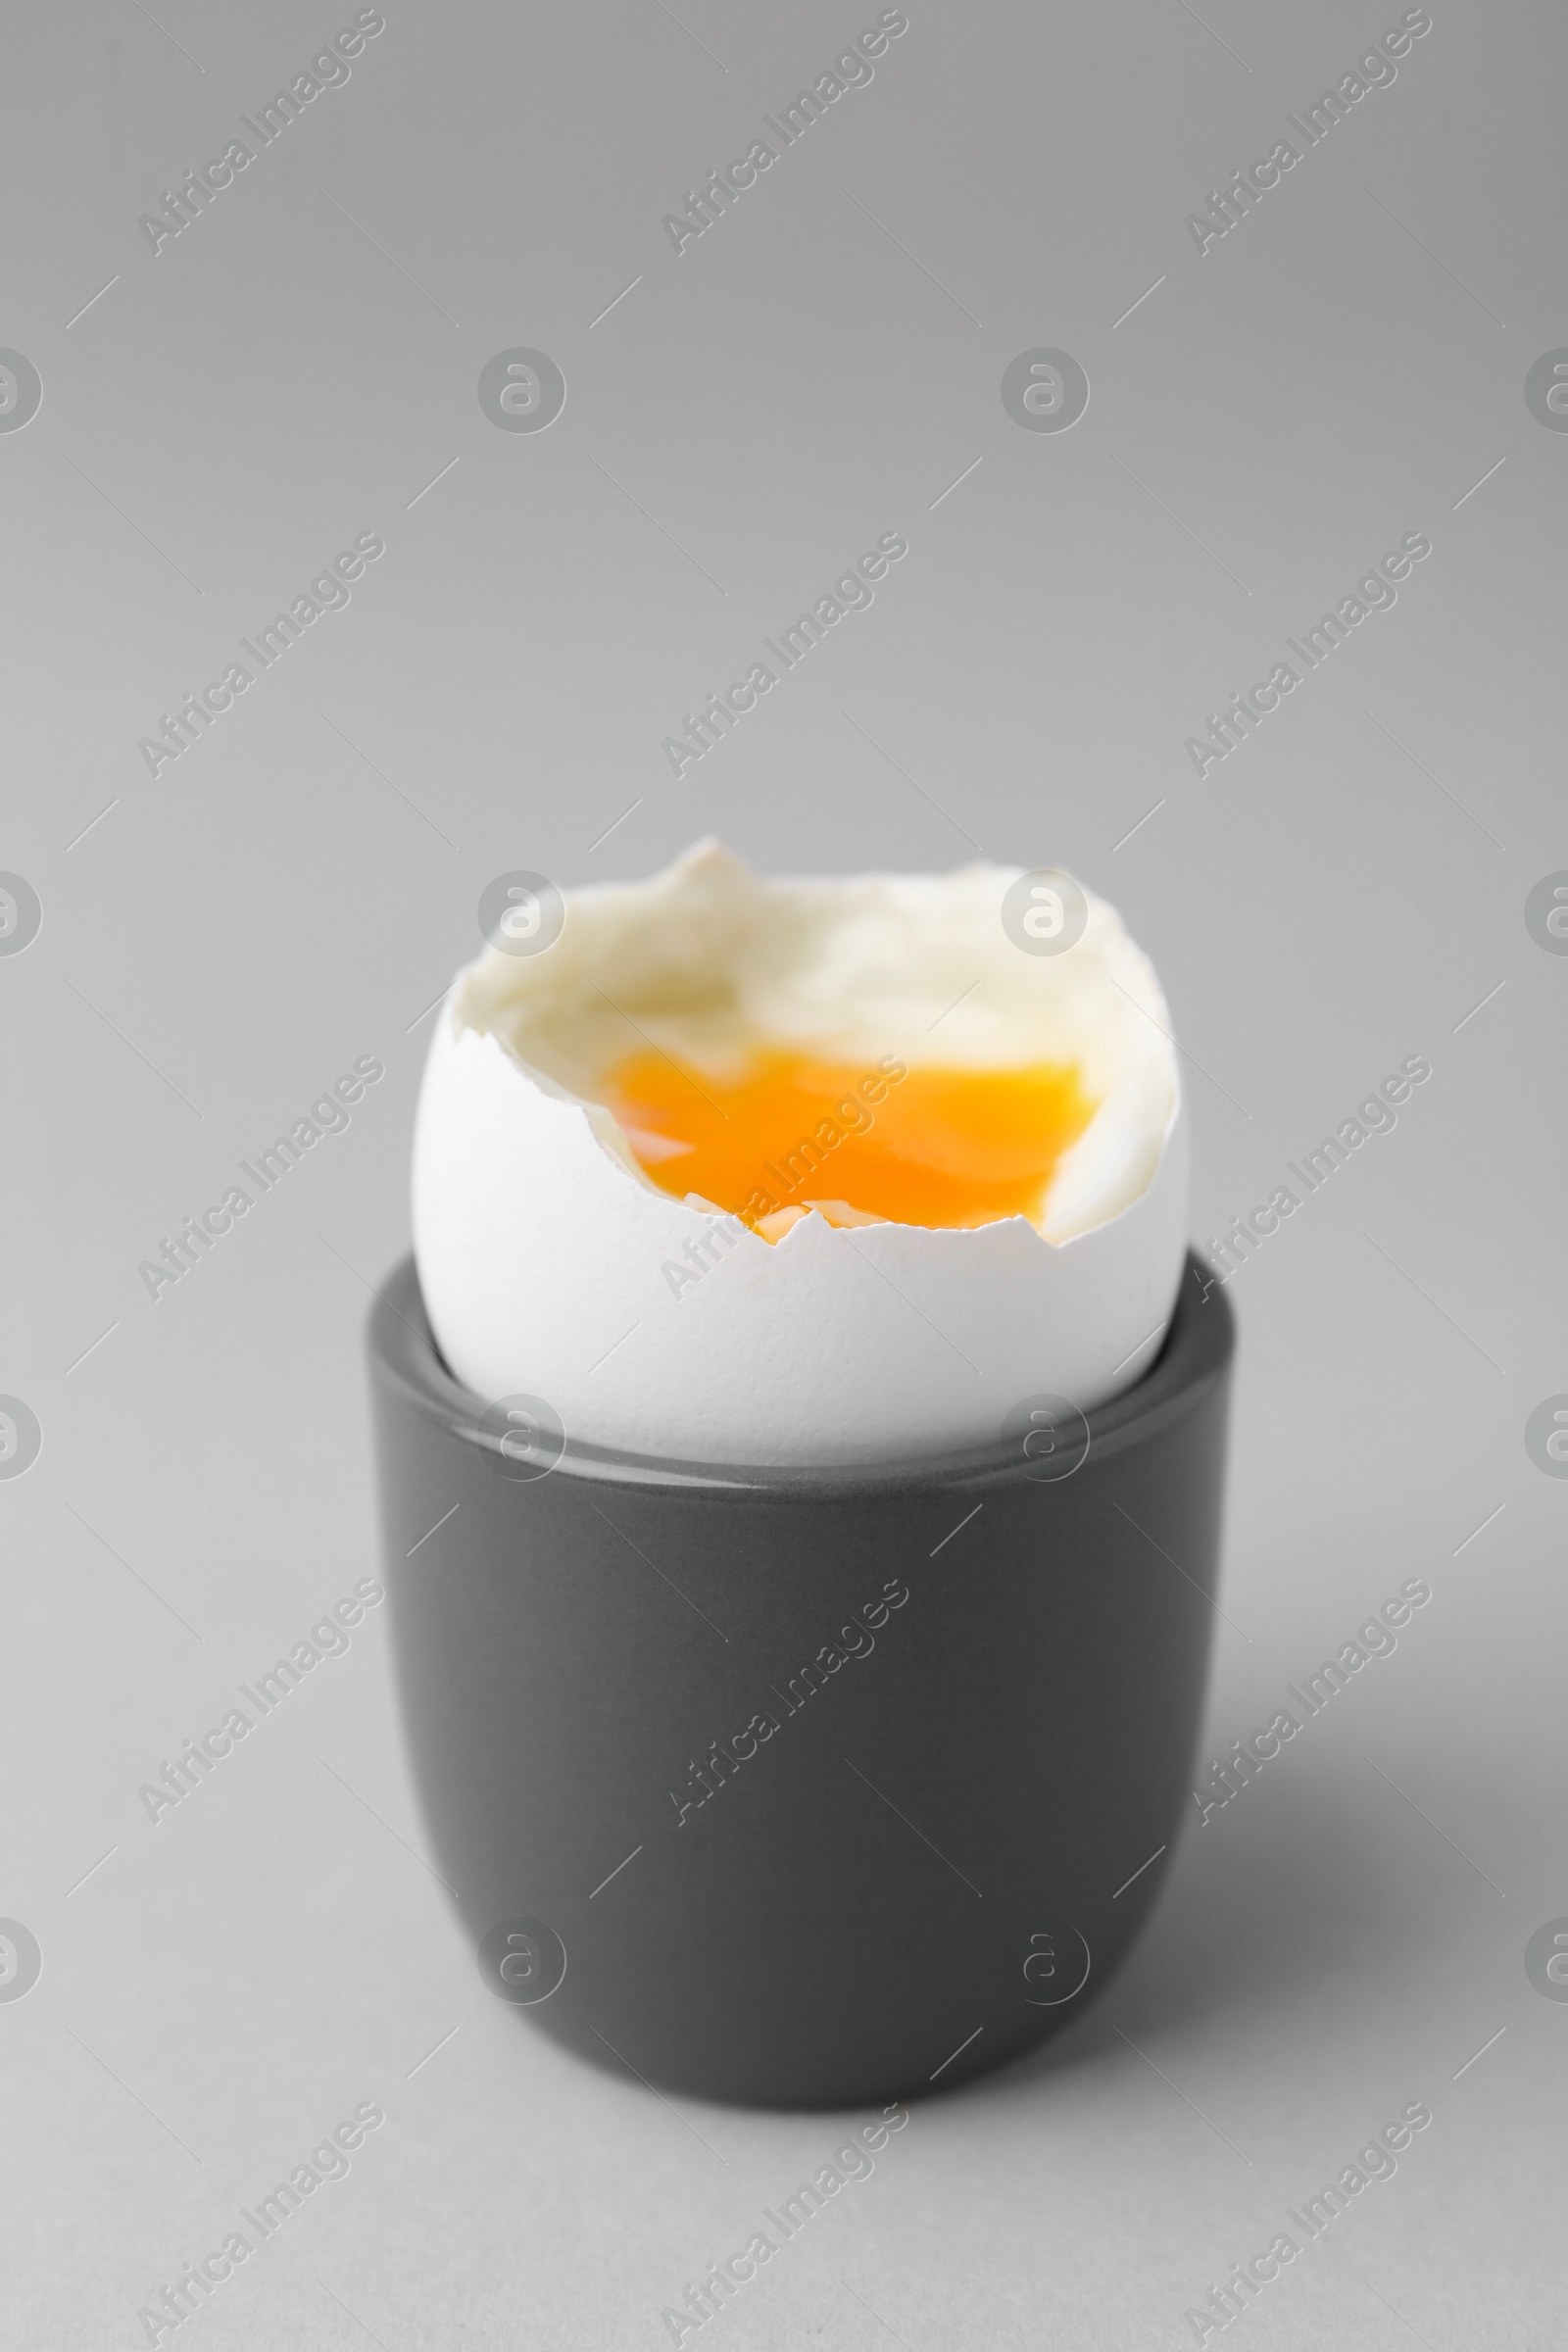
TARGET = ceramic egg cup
(801,1788)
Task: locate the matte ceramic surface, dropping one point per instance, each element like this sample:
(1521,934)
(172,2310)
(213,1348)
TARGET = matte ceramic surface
(803,1789)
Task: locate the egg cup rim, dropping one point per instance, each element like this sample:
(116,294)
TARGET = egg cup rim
(1197,1351)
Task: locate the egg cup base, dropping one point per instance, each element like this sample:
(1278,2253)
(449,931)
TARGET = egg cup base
(801,1788)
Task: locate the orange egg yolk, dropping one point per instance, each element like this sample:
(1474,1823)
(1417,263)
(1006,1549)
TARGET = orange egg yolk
(930,1146)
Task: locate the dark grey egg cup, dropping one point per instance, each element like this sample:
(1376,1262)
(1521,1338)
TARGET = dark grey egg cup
(803,1788)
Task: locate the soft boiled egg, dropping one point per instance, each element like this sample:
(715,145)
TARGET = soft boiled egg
(837,1171)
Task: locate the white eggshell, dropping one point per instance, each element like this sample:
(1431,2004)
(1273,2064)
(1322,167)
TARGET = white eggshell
(551,1265)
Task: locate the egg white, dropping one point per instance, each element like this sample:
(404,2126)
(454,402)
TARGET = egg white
(551,1265)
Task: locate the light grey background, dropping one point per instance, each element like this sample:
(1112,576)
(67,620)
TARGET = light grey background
(820,367)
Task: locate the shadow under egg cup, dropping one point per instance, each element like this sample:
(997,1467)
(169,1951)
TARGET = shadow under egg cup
(803,1788)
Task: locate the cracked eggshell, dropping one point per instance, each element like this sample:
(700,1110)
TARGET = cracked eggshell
(545,1253)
